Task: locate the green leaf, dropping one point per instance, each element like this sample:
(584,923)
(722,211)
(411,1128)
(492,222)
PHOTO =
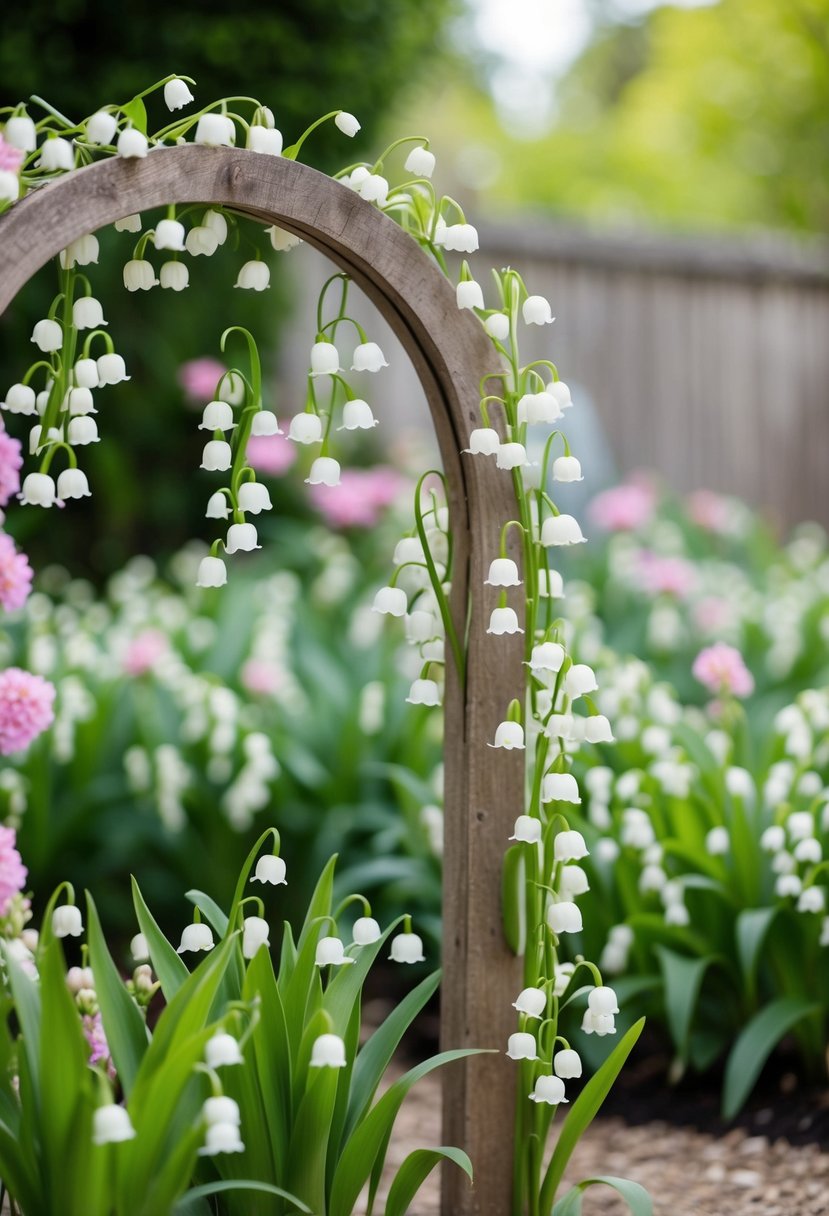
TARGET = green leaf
(583,1112)
(26,995)
(211,910)
(750,932)
(512,899)
(125,1029)
(167,964)
(682,977)
(755,1044)
(634,1195)
(136,112)
(186,1205)
(415,1170)
(309,1139)
(272,1055)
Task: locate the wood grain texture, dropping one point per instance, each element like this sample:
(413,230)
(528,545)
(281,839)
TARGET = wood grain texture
(450,353)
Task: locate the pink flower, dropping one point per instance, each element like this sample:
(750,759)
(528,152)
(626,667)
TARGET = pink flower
(25,708)
(11,158)
(93,1029)
(359,498)
(200,377)
(721,669)
(261,677)
(712,614)
(15,575)
(270,454)
(625,508)
(11,461)
(144,651)
(710,511)
(660,575)
(12,870)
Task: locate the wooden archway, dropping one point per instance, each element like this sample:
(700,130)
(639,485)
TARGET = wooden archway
(450,353)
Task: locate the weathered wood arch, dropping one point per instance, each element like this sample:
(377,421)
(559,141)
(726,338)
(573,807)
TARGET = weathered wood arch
(450,353)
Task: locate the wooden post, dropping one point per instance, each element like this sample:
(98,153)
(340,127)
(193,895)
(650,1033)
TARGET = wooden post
(450,353)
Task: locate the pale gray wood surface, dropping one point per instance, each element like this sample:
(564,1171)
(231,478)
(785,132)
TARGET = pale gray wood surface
(450,353)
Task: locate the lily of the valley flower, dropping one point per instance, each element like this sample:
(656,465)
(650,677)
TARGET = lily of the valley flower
(111,370)
(570,845)
(66,921)
(357,416)
(111,1124)
(212,572)
(325,471)
(217,456)
(20,399)
(215,131)
(469,294)
(366,931)
(421,162)
(567,468)
(38,490)
(266,140)
(423,692)
(522,1046)
(536,311)
(503,572)
(564,917)
(217,416)
(139,275)
(270,869)
(72,483)
(222,1050)
(47,336)
(330,952)
(549,1090)
(391,601)
(504,620)
(177,94)
(56,153)
(484,441)
(132,144)
(531,1001)
(328,1051)
(254,498)
(509,735)
(560,787)
(527,829)
(242,538)
(368,357)
(305,428)
(407,948)
(254,276)
(195,937)
(174,276)
(346,123)
(255,933)
(87,313)
(561,530)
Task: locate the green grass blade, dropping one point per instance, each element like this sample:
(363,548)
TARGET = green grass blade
(513,884)
(26,995)
(415,1170)
(682,978)
(211,910)
(124,1026)
(185,1205)
(750,933)
(168,965)
(583,1112)
(634,1195)
(755,1044)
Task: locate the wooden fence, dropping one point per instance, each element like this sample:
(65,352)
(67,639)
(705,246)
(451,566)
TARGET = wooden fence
(705,359)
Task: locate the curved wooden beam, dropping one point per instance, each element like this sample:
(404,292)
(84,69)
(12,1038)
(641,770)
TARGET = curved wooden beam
(450,353)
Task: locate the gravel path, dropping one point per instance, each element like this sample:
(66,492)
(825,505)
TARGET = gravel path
(687,1172)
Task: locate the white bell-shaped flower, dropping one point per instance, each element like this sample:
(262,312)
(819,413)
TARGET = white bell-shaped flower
(550,584)
(527,829)
(132,144)
(497,326)
(222,1050)
(503,572)
(72,483)
(572,882)
(222,1138)
(197,936)
(407,948)
(139,275)
(169,234)
(21,133)
(264,422)
(420,161)
(580,680)
(87,313)
(773,839)
(9,186)
(212,572)
(549,1090)
(255,933)
(217,456)
(177,94)
(242,538)
(567,1063)
(111,369)
(561,393)
(82,252)
(254,498)
(174,276)
(408,549)
(808,850)
(20,399)
(217,416)
(56,154)
(597,729)
(111,1124)
(599,1024)
(201,241)
(422,626)
(469,294)
(47,336)
(503,620)
(66,921)
(547,656)
(216,224)
(812,899)
(569,846)
(522,1046)
(564,917)
(423,692)
(254,276)
(538,408)
(531,1001)
(717,841)
(330,952)
(139,948)
(561,530)
(536,311)
(101,127)
(325,359)
(509,735)
(357,416)
(325,471)
(366,931)
(374,189)
(560,787)
(346,123)
(328,1051)
(282,240)
(368,357)
(305,428)
(462,238)
(511,456)
(567,468)
(81,401)
(603,1000)
(38,490)
(391,601)
(266,140)
(221,1109)
(215,131)
(270,869)
(128,223)
(484,441)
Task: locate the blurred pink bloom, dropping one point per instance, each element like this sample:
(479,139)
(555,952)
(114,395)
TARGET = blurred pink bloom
(12,870)
(710,511)
(11,461)
(660,575)
(359,498)
(93,1029)
(261,677)
(15,575)
(25,708)
(721,669)
(199,378)
(625,508)
(712,614)
(270,454)
(144,651)
(11,158)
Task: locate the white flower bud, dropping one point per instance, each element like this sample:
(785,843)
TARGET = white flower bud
(177,94)
(132,144)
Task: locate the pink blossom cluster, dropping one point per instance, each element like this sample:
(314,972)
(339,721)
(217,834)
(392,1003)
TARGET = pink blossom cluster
(15,575)
(625,508)
(200,377)
(11,462)
(710,511)
(359,499)
(26,709)
(11,158)
(270,454)
(660,575)
(12,870)
(144,651)
(721,669)
(261,677)
(99,1053)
